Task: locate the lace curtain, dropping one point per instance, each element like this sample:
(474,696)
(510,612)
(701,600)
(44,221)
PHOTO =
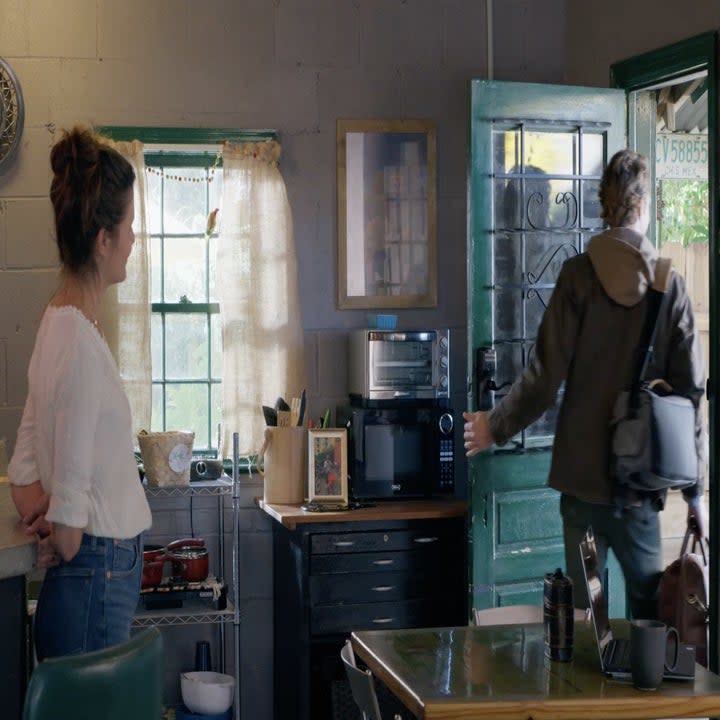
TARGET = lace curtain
(126,307)
(263,353)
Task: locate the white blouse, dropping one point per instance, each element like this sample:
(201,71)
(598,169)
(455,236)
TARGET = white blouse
(76,431)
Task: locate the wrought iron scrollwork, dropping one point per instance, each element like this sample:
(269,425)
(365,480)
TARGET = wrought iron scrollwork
(535,206)
(548,260)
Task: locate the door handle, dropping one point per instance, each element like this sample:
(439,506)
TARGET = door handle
(383,621)
(425,540)
(383,588)
(344,543)
(383,562)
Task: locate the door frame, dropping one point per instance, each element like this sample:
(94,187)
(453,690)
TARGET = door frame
(637,73)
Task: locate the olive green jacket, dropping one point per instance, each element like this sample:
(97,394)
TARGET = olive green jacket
(588,339)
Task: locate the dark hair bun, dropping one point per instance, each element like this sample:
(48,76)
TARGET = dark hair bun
(88,192)
(75,158)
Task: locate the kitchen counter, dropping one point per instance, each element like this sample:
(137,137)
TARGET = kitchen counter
(17,557)
(399,563)
(17,550)
(290,516)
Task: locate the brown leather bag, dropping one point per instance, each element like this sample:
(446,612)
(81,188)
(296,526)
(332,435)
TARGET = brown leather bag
(683,596)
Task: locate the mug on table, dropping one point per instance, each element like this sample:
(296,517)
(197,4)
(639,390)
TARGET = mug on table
(648,652)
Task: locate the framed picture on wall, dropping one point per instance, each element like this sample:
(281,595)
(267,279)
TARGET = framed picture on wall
(327,466)
(386,213)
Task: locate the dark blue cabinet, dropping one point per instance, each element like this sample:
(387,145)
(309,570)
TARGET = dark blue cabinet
(334,577)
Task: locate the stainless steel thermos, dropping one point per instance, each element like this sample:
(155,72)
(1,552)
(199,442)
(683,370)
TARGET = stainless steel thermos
(558,616)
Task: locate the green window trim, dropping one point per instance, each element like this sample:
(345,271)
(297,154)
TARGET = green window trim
(185,136)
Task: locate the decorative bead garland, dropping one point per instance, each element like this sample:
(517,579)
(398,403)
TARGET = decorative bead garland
(180,178)
(184,178)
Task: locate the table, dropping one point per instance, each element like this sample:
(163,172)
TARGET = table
(472,673)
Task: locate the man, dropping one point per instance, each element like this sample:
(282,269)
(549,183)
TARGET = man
(589,338)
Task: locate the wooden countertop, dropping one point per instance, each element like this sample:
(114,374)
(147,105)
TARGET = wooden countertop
(290,516)
(17,550)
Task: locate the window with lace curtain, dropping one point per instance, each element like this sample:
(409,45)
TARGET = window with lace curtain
(182,191)
(206,327)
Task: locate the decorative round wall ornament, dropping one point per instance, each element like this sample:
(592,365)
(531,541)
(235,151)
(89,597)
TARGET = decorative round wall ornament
(12,114)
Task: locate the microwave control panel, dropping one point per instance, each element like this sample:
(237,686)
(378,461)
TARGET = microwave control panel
(447,453)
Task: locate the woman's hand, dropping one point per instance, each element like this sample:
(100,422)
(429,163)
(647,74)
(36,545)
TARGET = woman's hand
(47,556)
(477,433)
(35,522)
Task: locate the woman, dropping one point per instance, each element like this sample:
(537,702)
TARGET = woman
(73,473)
(588,339)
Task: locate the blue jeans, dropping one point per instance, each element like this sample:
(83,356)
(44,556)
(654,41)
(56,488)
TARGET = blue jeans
(634,538)
(88,603)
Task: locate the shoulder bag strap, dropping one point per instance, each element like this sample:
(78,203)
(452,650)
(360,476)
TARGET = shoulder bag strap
(655,297)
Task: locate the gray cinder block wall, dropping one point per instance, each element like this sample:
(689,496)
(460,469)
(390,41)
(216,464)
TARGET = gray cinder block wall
(297,66)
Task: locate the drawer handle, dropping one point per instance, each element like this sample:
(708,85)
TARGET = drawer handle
(383,588)
(383,562)
(344,543)
(426,540)
(383,621)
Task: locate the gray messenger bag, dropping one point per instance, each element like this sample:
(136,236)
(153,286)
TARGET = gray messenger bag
(653,429)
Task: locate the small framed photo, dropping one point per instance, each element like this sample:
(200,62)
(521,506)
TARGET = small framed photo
(327,466)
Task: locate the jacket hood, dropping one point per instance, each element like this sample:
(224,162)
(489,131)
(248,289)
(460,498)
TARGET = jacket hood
(624,261)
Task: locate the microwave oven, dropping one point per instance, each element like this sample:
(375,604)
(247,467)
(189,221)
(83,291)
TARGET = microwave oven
(399,452)
(392,365)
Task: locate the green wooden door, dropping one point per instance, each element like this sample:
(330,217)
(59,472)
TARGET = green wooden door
(537,154)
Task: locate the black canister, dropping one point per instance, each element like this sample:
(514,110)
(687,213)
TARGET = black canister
(558,616)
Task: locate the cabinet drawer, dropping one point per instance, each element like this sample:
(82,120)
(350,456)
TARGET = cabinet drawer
(370,587)
(321,543)
(372,562)
(329,619)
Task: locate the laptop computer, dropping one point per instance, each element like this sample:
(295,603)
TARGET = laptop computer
(615,652)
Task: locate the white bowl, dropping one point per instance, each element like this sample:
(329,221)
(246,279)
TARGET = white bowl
(207,693)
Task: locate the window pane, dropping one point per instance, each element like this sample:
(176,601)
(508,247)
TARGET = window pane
(156,269)
(527,202)
(216,414)
(538,255)
(154,201)
(186,339)
(185,210)
(554,153)
(592,154)
(215,189)
(506,150)
(185,269)
(157,424)
(216,344)
(591,204)
(157,345)
(212,259)
(187,409)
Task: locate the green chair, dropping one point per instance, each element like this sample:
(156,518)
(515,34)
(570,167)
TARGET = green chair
(123,682)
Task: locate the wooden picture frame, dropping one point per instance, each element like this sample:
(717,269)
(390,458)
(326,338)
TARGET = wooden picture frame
(387,213)
(327,466)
